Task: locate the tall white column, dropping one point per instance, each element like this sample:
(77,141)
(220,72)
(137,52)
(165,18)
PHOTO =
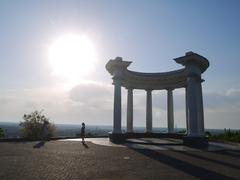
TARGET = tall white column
(170,114)
(186,109)
(130,111)
(149,112)
(200,109)
(192,106)
(117,107)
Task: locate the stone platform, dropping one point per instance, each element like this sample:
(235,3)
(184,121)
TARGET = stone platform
(174,144)
(101,159)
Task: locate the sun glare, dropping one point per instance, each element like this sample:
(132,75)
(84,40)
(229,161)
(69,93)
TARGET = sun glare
(72,57)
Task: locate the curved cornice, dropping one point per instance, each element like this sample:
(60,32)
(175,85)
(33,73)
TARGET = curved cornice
(155,75)
(194,65)
(164,80)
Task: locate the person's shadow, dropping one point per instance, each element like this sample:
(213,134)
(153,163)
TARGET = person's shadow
(84,144)
(39,144)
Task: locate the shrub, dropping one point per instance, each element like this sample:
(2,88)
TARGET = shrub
(228,135)
(183,131)
(34,125)
(2,135)
(208,134)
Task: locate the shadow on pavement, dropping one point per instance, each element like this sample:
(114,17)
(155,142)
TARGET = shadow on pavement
(39,144)
(85,145)
(210,160)
(151,142)
(181,165)
(232,153)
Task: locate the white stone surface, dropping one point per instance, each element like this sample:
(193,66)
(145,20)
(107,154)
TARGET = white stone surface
(192,107)
(117,112)
(200,109)
(186,109)
(149,112)
(130,111)
(170,114)
(164,144)
(189,77)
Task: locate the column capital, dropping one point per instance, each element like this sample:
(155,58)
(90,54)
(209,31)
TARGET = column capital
(129,88)
(194,75)
(117,81)
(117,78)
(170,89)
(149,90)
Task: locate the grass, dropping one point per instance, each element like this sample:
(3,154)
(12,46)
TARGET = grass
(228,136)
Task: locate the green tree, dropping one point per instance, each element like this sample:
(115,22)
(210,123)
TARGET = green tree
(34,125)
(2,133)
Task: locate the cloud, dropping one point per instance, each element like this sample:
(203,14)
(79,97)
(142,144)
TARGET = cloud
(92,102)
(227,99)
(93,95)
(15,103)
(233,92)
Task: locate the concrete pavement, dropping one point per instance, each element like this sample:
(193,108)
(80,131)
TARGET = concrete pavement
(60,160)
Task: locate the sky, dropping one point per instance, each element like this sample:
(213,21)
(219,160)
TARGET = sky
(148,33)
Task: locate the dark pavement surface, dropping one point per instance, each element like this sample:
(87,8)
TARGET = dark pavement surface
(67,160)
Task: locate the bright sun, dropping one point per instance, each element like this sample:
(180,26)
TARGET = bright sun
(72,57)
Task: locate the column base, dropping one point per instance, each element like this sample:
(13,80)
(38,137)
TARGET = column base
(198,142)
(117,138)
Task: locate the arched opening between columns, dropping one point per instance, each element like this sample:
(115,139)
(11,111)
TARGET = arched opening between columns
(180,118)
(159,111)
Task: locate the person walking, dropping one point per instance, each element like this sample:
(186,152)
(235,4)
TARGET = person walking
(45,131)
(83,132)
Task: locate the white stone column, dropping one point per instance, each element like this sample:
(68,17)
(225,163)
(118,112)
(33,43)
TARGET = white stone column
(200,109)
(130,111)
(117,107)
(192,106)
(149,112)
(186,109)
(170,114)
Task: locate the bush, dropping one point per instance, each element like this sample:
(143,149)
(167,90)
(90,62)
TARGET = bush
(228,135)
(184,131)
(34,126)
(2,135)
(208,134)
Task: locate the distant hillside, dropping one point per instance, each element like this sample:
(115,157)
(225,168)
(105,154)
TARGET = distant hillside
(13,130)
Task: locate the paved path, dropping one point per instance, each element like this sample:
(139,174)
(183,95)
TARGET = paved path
(159,144)
(70,160)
